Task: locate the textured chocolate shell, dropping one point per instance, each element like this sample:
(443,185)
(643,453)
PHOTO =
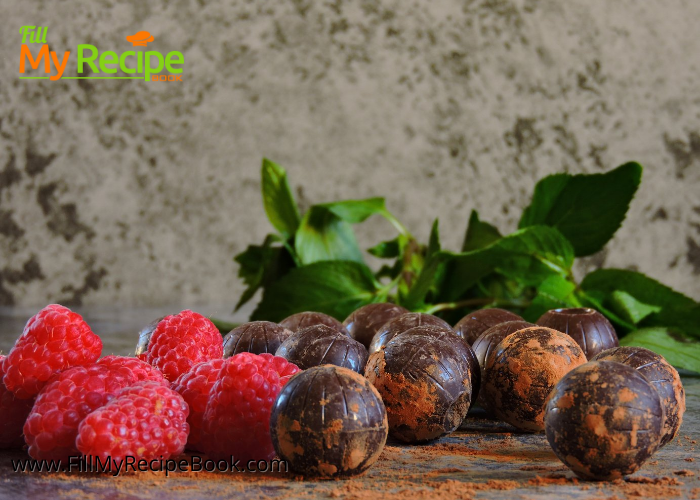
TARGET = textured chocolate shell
(588,327)
(329,421)
(363,323)
(477,322)
(257,337)
(302,320)
(402,323)
(603,420)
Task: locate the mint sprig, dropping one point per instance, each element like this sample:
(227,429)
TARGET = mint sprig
(313,262)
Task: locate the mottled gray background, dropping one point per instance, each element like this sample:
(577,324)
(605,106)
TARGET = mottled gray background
(139,194)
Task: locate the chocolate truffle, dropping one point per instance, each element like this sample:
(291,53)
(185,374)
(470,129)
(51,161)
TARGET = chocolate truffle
(425,385)
(458,344)
(662,376)
(328,421)
(402,323)
(588,327)
(145,338)
(363,323)
(603,420)
(302,320)
(321,344)
(487,341)
(257,337)
(477,322)
(522,370)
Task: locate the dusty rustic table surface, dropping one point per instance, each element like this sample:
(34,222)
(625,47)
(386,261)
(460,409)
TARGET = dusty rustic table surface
(484,459)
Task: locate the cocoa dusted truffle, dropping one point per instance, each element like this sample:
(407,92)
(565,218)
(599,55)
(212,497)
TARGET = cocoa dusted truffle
(458,344)
(402,323)
(477,322)
(321,344)
(257,337)
(662,376)
(487,342)
(363,323)
(522,370)
(329,421)
(145,337)
(603,420)
(302,320)
(588,327)
(425,385)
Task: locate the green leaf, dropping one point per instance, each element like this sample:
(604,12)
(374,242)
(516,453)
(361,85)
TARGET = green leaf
(595,299)
(587,209)
(386,249)
(326,233)
(332,287)
(356,211)
(479,234)
(553,293)
(676,310)
(428,278)
(678,349)
(281,209)
(434,241)
(630,308)
(260,265)
(322,235)
(528,256)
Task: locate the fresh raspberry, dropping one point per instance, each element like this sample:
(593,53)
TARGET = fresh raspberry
(139,370)
(13,414)
(54,339)
(147,420)
(52,425)
(195,386)
(237,418)
(181,341)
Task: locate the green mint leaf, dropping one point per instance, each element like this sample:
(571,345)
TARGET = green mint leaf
(587,209)
(677,310)
(528,256)
(332,287)
(630,308)
(678,349)
(479,234)
(260,265)
(386,249)
(595,299)
(356,211)
(434,241)
(553,293)
(322,235)
(281,209)
(429,278)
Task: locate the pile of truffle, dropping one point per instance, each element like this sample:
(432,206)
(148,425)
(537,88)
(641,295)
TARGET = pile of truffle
(603,417)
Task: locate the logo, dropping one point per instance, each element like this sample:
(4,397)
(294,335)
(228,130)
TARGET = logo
(150,65)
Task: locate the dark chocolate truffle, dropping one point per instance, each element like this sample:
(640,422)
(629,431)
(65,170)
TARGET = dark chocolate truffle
(662,376)
(521,372)
(257,337)
(603,420)
(145,337)
(363,323)
(321,344)
(487,342)
(477,322)
(402,323)
(425,385)
(588,327)
(328,421)
(458,344)
(302,320)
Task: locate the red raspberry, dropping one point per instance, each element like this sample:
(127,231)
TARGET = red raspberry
(54,339)
(195,386)
(139,370)
(147,420)
(237,418)
(13,414)
(52,425)
(181,341)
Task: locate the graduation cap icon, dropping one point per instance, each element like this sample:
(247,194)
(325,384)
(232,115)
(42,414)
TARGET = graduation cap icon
(141,38)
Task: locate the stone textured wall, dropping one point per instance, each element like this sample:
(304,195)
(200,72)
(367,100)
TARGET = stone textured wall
(137,193)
